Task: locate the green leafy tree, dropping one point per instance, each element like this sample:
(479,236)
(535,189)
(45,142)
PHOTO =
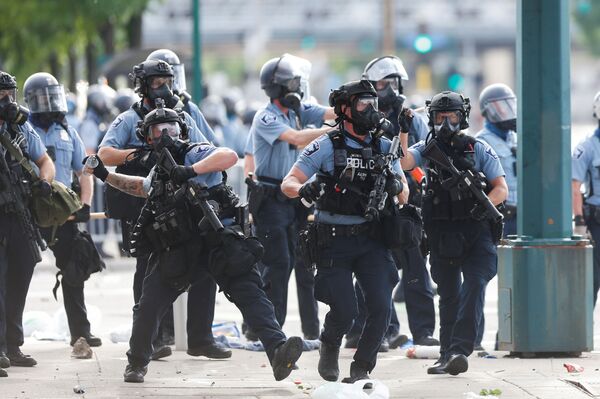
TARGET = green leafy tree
(587,16)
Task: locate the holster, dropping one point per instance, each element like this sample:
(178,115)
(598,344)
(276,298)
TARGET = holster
(403,228)
(256,197)
(509,212)
(497,231)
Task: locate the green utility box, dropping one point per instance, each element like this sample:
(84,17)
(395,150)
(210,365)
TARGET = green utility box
(545,297)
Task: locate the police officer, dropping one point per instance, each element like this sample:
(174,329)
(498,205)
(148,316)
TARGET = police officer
(462,239)
(386,74)
(584,163)
(188,249)
(99,114)
(19,251)
(179,89)
(277,132)
(47,103)
(498,105)
(344,161)
(122,148)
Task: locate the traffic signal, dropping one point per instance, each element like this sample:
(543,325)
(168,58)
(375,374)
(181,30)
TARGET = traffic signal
(456,81)
(423,43)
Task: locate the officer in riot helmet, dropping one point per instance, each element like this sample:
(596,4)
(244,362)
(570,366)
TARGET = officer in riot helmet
(72,248)
(20,240)
(465,184)
(179,88)
(185,250)
(278,130)
(121,147)
(386,74)
(125,99)
(99,114)
(586,210)
(347,239)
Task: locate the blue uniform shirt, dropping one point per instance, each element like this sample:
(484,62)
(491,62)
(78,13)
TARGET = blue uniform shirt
(318,157)
(201,122)
(585,162)
(235,136)
(68,149)
(121,133)
(503,143)
(89,132)
(248,150)
(35,147)
(274,157)
(486,159)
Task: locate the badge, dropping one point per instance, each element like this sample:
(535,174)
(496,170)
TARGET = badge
(311,149)
(64,136)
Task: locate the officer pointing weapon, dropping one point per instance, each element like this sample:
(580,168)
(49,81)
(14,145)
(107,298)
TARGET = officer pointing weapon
(183,251)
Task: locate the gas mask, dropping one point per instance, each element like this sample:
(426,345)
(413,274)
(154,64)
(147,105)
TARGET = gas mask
(446,124)
(388,93)
(157,90)
(510,124)
(12,112)
(365,117)
(292,94)
(45,119)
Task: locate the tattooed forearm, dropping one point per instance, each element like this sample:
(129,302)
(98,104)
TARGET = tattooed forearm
(133,185)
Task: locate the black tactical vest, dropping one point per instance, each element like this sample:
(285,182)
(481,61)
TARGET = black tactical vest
(15,172)
(353,178)
(450,203)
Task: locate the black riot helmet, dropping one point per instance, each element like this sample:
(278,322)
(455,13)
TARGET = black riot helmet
(101,98)
(10,111)
(46,99)
(386,74)
(361,98)
(153,79)
(160,122)
(448,113)
(284,77)
(172,59)
(125,99)
(498,105)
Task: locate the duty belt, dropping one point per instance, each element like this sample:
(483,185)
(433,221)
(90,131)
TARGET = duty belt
(274,191)
(344,230)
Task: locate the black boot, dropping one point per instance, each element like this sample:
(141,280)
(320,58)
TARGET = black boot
(134,373)
(397,341)
(438,367)
(216,350)
(457,364)
(358,371)
(4,362)
(385,345)
(160,352)
(3,373)
(426,340)
(329,369)
(351,341)
(91,340)
(285,357)
(18,359)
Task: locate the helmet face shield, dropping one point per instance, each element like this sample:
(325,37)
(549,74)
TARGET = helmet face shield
(447,119)
(501,110)
(47,99)
(171,129)
(293,85)
(179,78)
(393,82)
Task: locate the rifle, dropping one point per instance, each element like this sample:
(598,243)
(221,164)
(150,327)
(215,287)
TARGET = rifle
(195,193)
(464,180)
(16,190)
(379,195)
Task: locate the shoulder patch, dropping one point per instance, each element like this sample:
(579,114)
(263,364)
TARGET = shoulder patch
(578,152)
(267,119)
(117,121)
(491,152)
(311,149)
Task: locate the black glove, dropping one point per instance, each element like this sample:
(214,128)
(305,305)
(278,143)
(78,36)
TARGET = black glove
(43,188)
(181,174)
(82,215)
(100,171)
(311,191)
(479,212)
(405,120)
(393,186)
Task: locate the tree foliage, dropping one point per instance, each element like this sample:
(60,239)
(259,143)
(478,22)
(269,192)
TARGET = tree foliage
(34,31)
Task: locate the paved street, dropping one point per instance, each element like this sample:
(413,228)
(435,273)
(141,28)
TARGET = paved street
(247,374)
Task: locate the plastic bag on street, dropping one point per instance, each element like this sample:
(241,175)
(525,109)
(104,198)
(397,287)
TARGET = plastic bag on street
(338,390)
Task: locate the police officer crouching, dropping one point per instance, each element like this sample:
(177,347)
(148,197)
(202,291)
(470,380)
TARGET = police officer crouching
(465,182)
(76,255)
(342,242)
(183,246)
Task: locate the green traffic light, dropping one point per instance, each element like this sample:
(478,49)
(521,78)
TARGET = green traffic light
(456,82)
(423,43)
